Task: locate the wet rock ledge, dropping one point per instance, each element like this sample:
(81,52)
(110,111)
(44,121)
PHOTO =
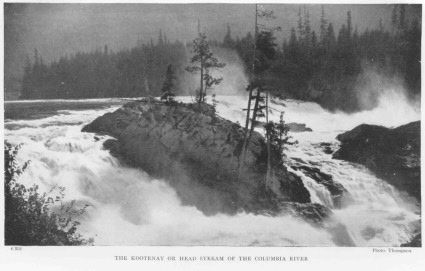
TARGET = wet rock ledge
(198,154)
(392,154)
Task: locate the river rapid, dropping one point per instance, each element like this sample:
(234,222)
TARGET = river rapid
(128,207)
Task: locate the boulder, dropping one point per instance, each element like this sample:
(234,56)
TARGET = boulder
(392,154)
(336,189)
(298,127)
(292,126)
(198,154)
(327,147)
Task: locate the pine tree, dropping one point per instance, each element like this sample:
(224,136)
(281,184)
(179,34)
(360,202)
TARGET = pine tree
(266,50)
(343,36)
(349,26)
(206,61)
(307,28)
(169,86)
(250,89)
(394,19)
(160,39)
(323,26)
(300,25)
(381,26)
(265,44)
(278,136)
(313,39)
(402,18)
(36,58)
(27,79)
(228,41)
(293,42)
(209,82)
(330,35)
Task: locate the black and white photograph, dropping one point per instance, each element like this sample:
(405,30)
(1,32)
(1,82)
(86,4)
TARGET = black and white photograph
(212,125)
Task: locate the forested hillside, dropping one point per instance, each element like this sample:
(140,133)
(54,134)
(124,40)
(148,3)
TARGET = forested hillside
(326,66)
(98,74)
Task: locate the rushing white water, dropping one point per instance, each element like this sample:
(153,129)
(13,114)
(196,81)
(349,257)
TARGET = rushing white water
(128,207)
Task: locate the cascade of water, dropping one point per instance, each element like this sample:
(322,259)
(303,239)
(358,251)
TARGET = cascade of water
(127,207)
(374,212)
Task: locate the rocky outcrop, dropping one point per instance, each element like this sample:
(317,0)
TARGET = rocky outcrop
(327,147)
(198,154)
(292,127)
(415,242)
(298,127)
(393,154)
(336,189)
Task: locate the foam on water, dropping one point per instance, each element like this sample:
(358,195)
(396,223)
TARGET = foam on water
(128,207)
(375,213)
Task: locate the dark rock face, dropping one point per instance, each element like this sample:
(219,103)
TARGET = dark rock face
(293,127)
(415,242)
(315,213)
(199,155)
(336,189)
(326,147)
(338,192)
(298,127)
(393,154)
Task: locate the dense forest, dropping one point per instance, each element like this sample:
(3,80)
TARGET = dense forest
(102,73)
(326,68)
(321,66)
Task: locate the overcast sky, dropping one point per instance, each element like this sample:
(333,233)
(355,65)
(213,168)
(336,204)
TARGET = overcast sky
(59,29)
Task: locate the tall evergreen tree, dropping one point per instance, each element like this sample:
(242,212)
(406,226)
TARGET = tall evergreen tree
(228,41)
(349,26)
(394,23)
(307,28)
(402,18)
(265,45)
(293,38)
(204,61)
(323,26)
(300,25)
(160,38)
(169,86)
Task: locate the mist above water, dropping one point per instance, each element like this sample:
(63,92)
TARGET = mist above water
(235,80)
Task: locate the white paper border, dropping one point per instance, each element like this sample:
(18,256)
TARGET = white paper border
(103,257)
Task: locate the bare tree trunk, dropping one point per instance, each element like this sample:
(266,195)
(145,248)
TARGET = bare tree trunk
(148,98)
(205,87)
(205,93)
(202,84)
(268,141)
(202,73)
(248,113)
(254,117)
(255,41)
